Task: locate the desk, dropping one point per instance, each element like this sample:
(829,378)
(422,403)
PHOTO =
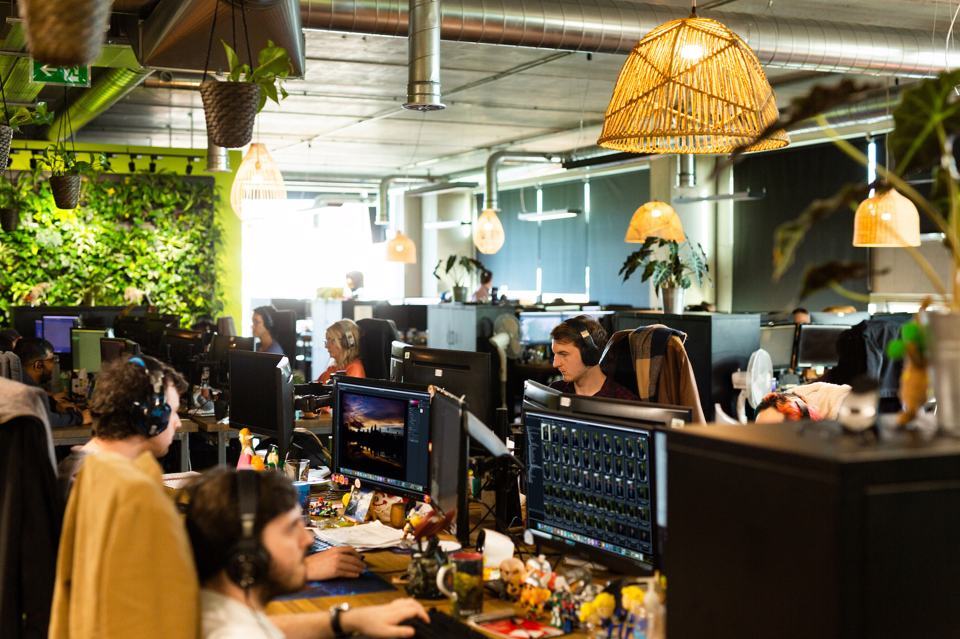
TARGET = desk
(74,435)
(323,425)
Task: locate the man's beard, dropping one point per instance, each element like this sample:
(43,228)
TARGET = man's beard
(276,585)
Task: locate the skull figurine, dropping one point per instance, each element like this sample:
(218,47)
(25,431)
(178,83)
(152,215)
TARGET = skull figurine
(512,573)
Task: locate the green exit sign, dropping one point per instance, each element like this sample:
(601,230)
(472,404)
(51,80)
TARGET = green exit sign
(66,76)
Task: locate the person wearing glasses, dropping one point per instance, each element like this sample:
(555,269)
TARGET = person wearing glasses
(343,344)
(39,362)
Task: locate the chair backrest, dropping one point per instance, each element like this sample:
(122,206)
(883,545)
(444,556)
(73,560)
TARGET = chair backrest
(285,332)
(617,362)
(10,366)
(376,337)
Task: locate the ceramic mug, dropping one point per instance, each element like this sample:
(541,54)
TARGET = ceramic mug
(462,581)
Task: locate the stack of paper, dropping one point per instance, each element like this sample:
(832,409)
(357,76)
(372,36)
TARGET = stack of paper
(372,536)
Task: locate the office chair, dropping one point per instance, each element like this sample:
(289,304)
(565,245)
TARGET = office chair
(285,332)
(376,338)
(10,366)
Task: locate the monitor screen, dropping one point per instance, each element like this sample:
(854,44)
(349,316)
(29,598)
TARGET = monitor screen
(535,327)
(448,464)
(85,345)
(817,344)
(112,348)
(591,486)
(843,319)
(56,330)
(461,373)
(778,342)
(220,349)
(537,395)
(261,395)
(381,435)
(181,348)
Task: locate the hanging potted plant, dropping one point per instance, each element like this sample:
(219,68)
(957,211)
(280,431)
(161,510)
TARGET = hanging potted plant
(21,117)
(231,107)
(9,205)
(671,275)
(456,271)
(65,173)
(65,33)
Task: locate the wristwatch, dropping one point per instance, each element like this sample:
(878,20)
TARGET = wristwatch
(335,612)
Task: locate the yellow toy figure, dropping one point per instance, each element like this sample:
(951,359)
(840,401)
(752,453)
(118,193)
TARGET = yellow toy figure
(598,614)
(532,600)
(246,450)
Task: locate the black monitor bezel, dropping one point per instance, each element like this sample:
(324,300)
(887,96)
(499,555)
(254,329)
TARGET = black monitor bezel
(793,344)
(806,328)
(620,409)
(377,384)
(282,380)
(413,356)
(615,562)
(532,400)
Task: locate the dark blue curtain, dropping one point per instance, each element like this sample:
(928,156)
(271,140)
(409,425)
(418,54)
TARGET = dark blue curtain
(563,243)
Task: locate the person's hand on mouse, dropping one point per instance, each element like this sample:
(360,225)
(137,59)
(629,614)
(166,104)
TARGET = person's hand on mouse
(384,621)
(336,563)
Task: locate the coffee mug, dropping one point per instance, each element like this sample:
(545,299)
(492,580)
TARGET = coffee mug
(462,581)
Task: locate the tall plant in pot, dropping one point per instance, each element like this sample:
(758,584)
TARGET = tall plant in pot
(456,271)
(671,265)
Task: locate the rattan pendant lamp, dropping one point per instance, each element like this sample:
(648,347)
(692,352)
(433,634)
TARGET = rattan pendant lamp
(691,86)
(401,249)
(887,219)
(258,178)
(655,219)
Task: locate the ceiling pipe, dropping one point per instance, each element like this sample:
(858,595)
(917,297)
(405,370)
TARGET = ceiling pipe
(615,26)
(105,92)
(423,45)
(492,188)
(383,210)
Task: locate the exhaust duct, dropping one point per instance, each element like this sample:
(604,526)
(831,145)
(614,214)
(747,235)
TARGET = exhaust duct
(423,83)
(491,198)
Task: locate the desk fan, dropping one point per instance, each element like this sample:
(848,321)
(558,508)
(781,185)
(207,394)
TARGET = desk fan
(753,383)
(506,339)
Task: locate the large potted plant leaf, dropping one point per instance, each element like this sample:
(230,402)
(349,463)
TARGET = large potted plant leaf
(456,271)
(670,274)
(65,32)
(231,107)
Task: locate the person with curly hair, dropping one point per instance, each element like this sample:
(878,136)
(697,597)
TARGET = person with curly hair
(784,407)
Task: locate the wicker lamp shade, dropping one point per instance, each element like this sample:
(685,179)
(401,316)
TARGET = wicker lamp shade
(258,178)
(691,86)
(488,234)
(655,219)
(401,249)
(887,219)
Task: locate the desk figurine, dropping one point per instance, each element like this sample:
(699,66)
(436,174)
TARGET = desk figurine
(424,526)
(533,599)
(245,462)
(598,615)
(512,573)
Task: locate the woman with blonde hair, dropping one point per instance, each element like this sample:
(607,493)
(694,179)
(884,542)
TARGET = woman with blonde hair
(343,344)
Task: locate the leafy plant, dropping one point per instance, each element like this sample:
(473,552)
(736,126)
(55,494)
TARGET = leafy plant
(9,198)
(60,160)
(273,66)
(673,272)
(38,116)
(458,269)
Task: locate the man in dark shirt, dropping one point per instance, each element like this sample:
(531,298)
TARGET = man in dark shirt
(577,345)
(38,359)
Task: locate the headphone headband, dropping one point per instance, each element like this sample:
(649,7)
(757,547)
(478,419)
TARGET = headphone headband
(248,562)
(589,351)
(151,416)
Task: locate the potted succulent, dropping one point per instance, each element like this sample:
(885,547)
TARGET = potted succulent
(65,172)
(21,117)
(9,205)
(456,271)
(672,274)
(230,107)
(65,33)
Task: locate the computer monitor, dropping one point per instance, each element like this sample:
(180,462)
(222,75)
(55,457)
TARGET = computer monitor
(778,342)
(112,348)
(842,319)
(397,350)
(182,348)
(261,395)
(448,459)
(535,327)
(225,326)
(639,412)
(591,487)
(462,373)
(381,435)
(817,344)
(537,395)
(56,330)
(133,328)
(85,347)
(219,356)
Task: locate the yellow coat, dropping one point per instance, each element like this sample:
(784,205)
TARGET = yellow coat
(125,567)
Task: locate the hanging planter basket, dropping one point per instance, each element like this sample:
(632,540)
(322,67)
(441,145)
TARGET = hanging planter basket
(66,190)
(230,109)
(6,135)
(65,32)
(9,219)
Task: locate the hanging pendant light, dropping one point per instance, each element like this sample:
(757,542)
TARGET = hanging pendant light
(401,249)
(258,178)
(488,235)
(691,86)
(655,219)
(887,219)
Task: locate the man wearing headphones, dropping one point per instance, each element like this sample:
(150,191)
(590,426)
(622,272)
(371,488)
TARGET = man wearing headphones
(577,346)
(263,326)
(249,541)
(124,567)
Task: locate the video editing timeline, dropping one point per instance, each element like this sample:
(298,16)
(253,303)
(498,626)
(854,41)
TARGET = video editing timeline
(383,437)
(589,484)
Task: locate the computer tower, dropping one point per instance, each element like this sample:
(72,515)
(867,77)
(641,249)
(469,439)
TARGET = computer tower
(791,532)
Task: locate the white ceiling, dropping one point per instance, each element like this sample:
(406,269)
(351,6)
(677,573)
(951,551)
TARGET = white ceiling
(344,118)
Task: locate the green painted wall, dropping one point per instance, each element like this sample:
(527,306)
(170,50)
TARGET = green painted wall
(174,160)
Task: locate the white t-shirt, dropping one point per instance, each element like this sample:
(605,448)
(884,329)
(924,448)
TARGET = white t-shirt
(227,618)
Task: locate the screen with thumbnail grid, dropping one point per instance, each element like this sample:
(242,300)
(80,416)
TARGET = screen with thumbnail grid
(590,485)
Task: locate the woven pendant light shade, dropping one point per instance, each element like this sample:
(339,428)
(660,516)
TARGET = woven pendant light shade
(690,86)
(887,219)
(655,219)
(258,178)
(488,235)
(401,249)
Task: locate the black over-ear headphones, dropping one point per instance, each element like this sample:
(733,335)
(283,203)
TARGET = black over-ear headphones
(348,341)
(248,562)
(150,416)
(589,351)
(266,313)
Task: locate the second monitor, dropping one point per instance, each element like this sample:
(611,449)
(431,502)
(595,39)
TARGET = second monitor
(461,373)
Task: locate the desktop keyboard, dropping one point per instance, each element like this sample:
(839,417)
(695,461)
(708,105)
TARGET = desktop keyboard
(319,545)
(443,626)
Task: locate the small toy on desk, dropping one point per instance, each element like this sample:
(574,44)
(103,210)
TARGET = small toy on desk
(273,458)
(512,573)
(533,599)
(598,614)
(246,450)
(424,524)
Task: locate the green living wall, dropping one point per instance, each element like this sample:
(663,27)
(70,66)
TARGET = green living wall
(170,235)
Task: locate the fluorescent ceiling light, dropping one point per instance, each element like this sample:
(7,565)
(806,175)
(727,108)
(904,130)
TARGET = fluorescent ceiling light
(739,196)
(443,187)
(445,224)
(546,216)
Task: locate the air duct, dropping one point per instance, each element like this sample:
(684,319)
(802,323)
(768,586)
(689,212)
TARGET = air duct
(423,83)
(383,211)
(615,26)
(491,193)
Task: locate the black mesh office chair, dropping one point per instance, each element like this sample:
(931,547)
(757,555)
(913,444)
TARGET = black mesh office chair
(376,336)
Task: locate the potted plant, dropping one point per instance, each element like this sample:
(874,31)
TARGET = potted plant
(65,173)
(672,274)
(456,271)
(231,107)
(65,33)
(9,206)
(21,117)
